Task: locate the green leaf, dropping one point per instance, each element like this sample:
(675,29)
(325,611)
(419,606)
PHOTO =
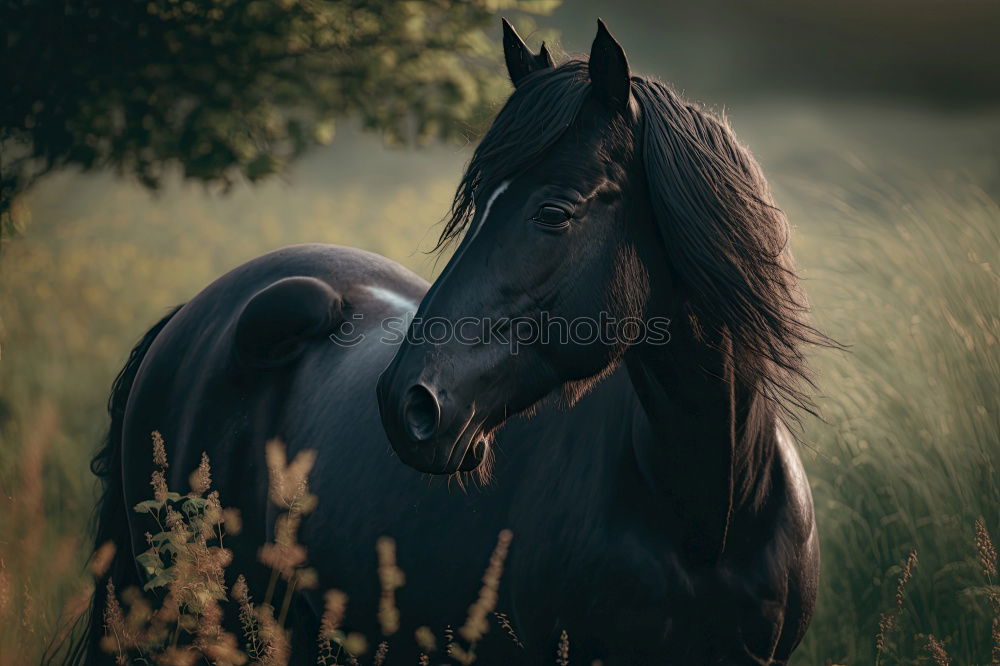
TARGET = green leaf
(162,579)
(148,506)
(193,505)
(150,562)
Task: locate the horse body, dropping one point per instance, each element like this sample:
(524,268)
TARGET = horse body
(659,508)
(593,552)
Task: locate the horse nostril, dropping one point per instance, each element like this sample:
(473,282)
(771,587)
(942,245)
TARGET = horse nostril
(421,413)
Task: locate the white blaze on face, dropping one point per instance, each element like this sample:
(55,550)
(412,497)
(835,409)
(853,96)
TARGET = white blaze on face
(475,232)
(489,204)
(471,236)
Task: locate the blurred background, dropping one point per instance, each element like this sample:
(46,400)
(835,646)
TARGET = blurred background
(878,124)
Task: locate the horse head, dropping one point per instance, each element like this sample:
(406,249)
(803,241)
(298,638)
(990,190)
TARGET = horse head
(542,256)
(598,206)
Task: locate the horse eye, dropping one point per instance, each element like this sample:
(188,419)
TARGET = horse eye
(551,216)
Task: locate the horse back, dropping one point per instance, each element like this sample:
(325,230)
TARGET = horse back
(213,382)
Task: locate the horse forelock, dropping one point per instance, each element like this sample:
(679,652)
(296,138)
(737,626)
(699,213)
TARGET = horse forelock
(532,120)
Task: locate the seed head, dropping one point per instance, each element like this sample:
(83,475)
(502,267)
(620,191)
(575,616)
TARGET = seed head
(392,578)
(335,606)
(475,624)
(904,577)
(987,551)
(562,653)
(159,451)
(201,478)
(937,651)
(101,559)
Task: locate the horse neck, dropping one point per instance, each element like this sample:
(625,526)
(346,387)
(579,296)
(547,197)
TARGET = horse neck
(710,437)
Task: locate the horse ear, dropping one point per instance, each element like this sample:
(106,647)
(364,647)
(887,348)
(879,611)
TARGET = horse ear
(520,60)
(278,322)
(609,72)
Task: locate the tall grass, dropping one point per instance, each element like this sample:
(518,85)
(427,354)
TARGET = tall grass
(44,545)
(906,459)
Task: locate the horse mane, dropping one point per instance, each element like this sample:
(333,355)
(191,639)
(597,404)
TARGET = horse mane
(727,243)
(725,239)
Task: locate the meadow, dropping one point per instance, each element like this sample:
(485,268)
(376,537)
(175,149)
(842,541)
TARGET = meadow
(899,261)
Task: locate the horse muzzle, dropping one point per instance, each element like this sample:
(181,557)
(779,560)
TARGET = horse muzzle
(428,431)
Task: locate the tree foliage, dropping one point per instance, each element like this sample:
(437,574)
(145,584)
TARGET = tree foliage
(228,87)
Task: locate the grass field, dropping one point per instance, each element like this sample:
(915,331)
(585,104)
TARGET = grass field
(900,268)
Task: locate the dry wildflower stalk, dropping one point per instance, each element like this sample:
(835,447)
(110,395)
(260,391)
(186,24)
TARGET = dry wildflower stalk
(937,651)
(987,551)
(101,559)
(392,578)
(904,578)
(276,648)
(288,483)
(333,613)
(241,595)
(159,450)
(285,554)
(232,521)
(461,655)
(335,606)
(159,483)
(505,624)
(191,572)
(988,564)
(475,624)
(355,644)
(425,639)
(449,639)
(887,621)
(216,644)
(288,488)
(201,478)
(380,654)
(115,640)
(562,652)
(327,654)
(186,560)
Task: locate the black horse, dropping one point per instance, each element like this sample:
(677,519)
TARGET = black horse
(659,509)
